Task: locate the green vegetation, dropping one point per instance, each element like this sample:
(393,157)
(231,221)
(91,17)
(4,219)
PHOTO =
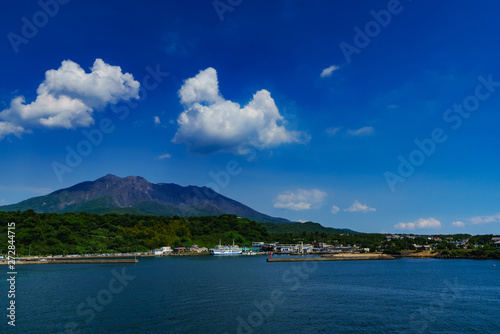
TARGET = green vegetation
(446,246)
(86,233)
(71,233)
(309,227)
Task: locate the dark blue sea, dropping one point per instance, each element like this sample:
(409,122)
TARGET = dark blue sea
(245,294)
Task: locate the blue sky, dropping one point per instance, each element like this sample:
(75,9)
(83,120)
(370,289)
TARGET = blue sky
(308,110)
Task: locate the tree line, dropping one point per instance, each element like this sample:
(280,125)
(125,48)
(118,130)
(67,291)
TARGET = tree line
(85,233)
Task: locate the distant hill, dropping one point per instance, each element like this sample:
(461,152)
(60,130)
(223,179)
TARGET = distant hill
(308,227)
(135,195)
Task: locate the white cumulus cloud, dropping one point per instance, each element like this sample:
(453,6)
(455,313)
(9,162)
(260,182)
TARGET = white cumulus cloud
(157,120)
(334,209)
(364,131)
(419,224)
(327,72)
(405,226)
(68,97)
(458,224)
(210,123)
(358,207)
(302,199)
(486,219)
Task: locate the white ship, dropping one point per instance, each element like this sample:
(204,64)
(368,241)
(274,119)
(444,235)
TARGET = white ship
(226,250)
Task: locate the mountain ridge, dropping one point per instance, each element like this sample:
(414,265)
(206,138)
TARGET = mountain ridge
(136,195)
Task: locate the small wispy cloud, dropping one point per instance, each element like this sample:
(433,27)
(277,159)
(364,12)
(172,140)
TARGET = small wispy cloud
(157,120)
(164,156)
(302,199)
(358,207)
(486,219)
(392,106)
(333,131)
(458,224)
(419,224)
(327,72)
(334,209)
(364,131)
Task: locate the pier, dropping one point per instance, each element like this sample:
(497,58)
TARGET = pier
(335,257)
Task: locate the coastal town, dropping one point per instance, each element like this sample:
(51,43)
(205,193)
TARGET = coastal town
(412,242)
(406,245)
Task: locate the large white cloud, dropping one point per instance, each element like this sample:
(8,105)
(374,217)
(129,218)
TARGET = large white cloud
(302,199)
(211,123)
(68,97)
(358,207)
(419,224)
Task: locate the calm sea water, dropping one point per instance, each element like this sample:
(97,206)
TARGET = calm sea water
(245,294)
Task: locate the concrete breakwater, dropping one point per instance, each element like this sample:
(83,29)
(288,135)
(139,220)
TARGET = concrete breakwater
(83,257)
(74,261)
(335,257)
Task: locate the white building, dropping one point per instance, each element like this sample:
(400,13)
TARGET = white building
(286,248)
(257,245)
(195,248)
(162,251)
(496,242)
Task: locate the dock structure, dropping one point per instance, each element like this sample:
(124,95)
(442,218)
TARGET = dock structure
(335,257)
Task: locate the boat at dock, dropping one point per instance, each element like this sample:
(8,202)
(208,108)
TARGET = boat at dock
(226,250)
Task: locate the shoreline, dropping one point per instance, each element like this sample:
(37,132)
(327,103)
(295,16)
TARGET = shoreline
(438,255)
(293,257)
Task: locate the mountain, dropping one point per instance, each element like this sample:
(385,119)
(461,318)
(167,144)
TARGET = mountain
(135,195)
